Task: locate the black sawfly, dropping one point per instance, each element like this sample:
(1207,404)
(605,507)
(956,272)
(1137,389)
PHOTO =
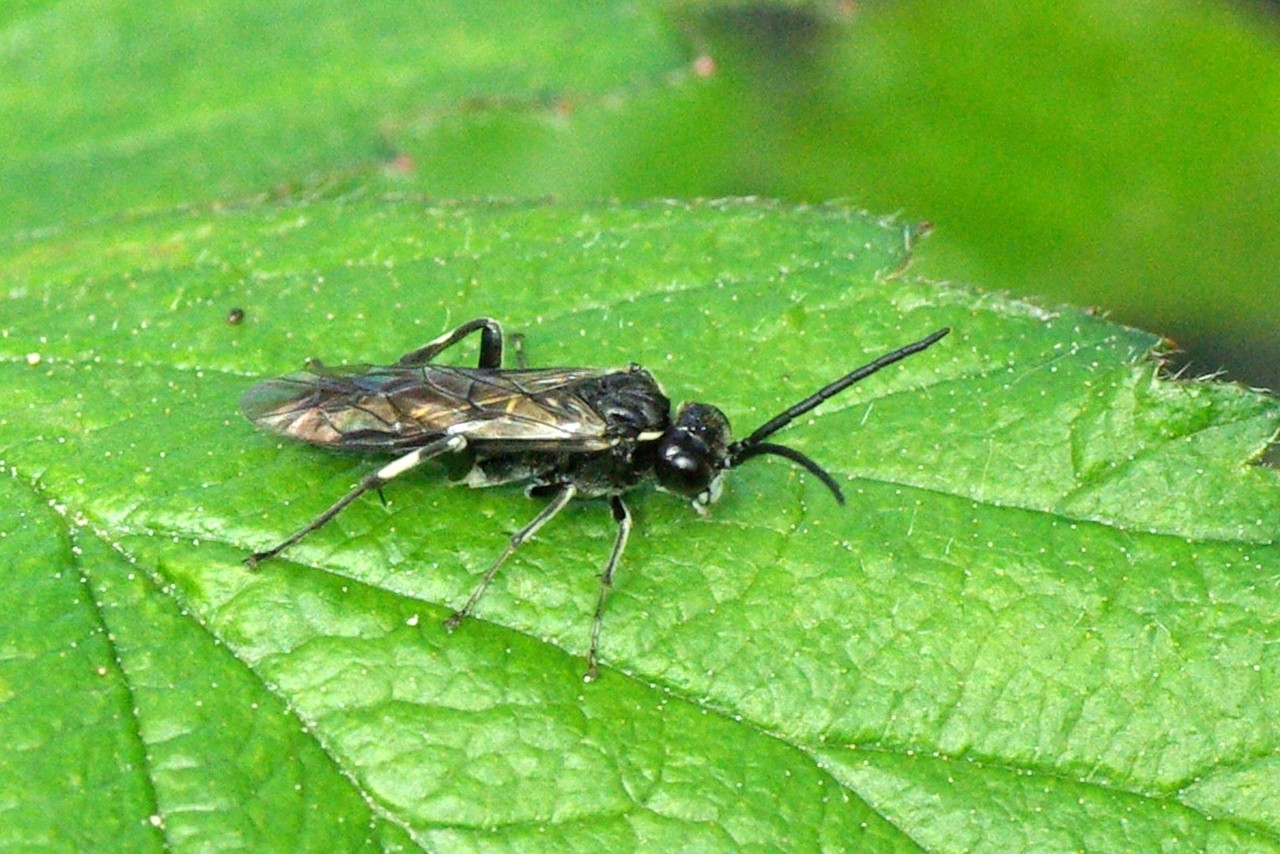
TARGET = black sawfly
(566,432)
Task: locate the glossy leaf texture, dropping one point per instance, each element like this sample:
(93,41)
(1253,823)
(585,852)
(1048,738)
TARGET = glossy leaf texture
(1046,620)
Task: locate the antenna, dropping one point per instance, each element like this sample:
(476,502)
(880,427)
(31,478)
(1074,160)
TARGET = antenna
(754,445)
(782,419)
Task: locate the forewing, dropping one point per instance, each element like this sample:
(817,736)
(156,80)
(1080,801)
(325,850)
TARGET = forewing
(338,408)
(389,408)
(529,407)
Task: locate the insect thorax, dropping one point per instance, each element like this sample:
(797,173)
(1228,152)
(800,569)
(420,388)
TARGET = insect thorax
(609,472)
(636,413)
(630,401)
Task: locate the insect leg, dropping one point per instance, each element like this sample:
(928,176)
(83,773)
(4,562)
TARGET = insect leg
(622,516)
(374,480)
(490,344)
(517,344)
(563,497)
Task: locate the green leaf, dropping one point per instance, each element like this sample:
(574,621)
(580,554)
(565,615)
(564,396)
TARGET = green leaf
(121,106)
(1060,150)
(1045,620)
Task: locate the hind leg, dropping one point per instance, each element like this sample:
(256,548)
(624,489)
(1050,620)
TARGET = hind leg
(374,480)
(490,344)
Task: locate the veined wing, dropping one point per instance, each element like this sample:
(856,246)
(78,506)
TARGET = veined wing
(396,407)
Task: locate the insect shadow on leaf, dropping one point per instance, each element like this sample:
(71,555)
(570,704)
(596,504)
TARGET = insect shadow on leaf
(566,432)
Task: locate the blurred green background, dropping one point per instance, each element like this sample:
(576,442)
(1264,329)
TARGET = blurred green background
(1124,156)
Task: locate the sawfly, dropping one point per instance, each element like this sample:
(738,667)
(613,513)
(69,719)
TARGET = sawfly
(566,432)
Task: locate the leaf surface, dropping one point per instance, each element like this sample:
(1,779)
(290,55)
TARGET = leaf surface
(1045,620)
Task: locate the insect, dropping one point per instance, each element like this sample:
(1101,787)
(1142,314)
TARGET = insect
(566,432)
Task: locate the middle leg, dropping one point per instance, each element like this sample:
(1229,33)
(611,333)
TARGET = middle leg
(622,516)
(563,497)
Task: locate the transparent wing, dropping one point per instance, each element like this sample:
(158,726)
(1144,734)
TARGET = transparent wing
(397,407)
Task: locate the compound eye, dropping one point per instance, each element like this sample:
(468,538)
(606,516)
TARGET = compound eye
(682,472)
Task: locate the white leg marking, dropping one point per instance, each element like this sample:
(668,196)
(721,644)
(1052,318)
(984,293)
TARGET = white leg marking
(400,465)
